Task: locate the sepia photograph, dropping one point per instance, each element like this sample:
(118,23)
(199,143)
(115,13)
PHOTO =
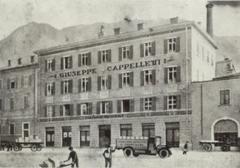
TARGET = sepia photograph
(120,83)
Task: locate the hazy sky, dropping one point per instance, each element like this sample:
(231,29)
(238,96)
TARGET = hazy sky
(63,13)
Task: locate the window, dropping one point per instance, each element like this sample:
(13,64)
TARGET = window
(172,45)
(66,110)
(140,26)
(104,107)
(32,59)
(117,31)
(84,109)
(50,65)
(224,97)
(148,130)
(172,74)
(50,89)
(1,104)
(25,130)
(125,129)
(126,79)
(12,83)
(1,84)
(84,85)
(19,61)
(104,56)
(66,62)
(147,49)
(11,104)
(50,111)
(26,103)
(172,102)
(148,77)
(66,86)
(149,103)
(126,105)
(104,82)
(125,53)
(11,129)
(84,59)
(9,63)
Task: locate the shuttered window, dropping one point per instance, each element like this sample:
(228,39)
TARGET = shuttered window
(104,107)
(172,45)
(11,104)
(84,84)
(50,111)
(104,82)
(66,86)
(148,104)
(84,109)
(104,56)
(126,79)
(172,102)
(50,89)
(50,65)
(224,97)
(126,105)
(125,53)
(172,74)
(84,59)
(148,77)
(147,49)
(66,62)
(66,110)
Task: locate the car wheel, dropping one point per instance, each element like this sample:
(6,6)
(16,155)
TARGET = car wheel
(207,147)
(163,153)
(128,152)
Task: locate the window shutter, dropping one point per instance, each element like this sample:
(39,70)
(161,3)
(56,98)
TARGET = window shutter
(98,107)
(61,110)
(142,77)
(70,86)
(154,101)
(221,97)
(79,86)
(78,109)
(178,44)
(131,79)
(99,83)
(120,54)
(154,77)
(120,80)
(46,68)
(119,109)
(110,107)
(30,80)
(79,60)
(46,89)
(16,80)
(71,110)
(89,84)
(53,91)
(178,78)
(141,104)
(53,64)
(22,81)
(141,50)
(3,104)
(99,57)
(165,103)
(61,87)
(165,46)
(178,101)
(153,51)
(109,56)
(71,62)
(131,52)
(90,108)
(132,105)
(166,75)
(53,114)
(109,82)
(89,59)
(62,63)
(8,83)
(45,111)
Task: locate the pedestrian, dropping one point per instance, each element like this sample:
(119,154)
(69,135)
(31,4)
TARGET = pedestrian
(107,154)
(185,148)
(73,156)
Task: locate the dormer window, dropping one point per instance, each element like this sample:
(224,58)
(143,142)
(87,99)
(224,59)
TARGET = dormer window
(140,26)
(9,63)
(19,61)
(32,59)
(117,31)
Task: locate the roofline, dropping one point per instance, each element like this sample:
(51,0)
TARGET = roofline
(19,67)
(162,29)
(227,77)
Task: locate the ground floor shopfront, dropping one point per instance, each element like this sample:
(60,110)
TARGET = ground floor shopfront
(174,130)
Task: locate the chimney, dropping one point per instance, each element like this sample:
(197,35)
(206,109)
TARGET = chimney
(117,31)
(174,20)
(209,7)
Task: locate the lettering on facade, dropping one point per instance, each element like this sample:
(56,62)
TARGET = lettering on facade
(76,73)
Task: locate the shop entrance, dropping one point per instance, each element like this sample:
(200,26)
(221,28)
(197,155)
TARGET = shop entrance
(66,136)
(172,134)
(104,135)
(84,136)
(49,137)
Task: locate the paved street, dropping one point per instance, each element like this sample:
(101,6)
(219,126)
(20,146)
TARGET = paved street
(92,158)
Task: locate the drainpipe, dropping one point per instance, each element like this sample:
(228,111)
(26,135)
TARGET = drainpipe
(35,101)
(201,109)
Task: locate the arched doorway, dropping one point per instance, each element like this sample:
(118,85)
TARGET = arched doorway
(226,130)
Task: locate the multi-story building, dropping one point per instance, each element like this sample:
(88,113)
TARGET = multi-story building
(216,110)
(128,84)
(18,100)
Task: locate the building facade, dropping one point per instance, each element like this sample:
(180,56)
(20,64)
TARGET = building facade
(216,110)
(128,84)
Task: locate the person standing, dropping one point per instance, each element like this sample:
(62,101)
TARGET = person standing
(73,156)
(185,148)
(107,154)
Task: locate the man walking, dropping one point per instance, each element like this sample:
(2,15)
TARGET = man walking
(107,154)
(73,156)
(185,148)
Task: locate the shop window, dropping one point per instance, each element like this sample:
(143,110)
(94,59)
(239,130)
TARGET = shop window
(126,130)
(148,130)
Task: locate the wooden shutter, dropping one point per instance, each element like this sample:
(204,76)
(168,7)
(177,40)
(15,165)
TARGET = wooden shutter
(70,86)
(71,110)
(99,57)
(131,52)
(45,111)
(89,84)
(98,107)
(120,54)
(99,83)
(8,83)
(154,77)
(178,44)
(142,77)
(154,101)
(132,105)
(71,61)
(153,51)
(79,60)
(53,91)
(166,75)
(109,82)
(90,108)
(165,102)
(53,112)
(131,79)
(61,62)
(141,104)
(79,86)
(178,101)
(61,87)
(120,80)
(78,109)
(119,109)
(46,68)
(53,64)
(61,110)
(16,81)
(30,80)
(110,107)
(89,59)
(141,50)
(109,58)
(165,46)
(178,77)
(46,89)
(22,81)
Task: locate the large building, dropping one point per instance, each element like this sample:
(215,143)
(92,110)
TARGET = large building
(129,84)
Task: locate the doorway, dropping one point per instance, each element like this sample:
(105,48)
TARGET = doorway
(84,136)
(66,136)
(49,136)
(172,134)
(104,135)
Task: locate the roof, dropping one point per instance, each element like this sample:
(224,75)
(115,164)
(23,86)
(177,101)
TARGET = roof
(126,36)
(18,67)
